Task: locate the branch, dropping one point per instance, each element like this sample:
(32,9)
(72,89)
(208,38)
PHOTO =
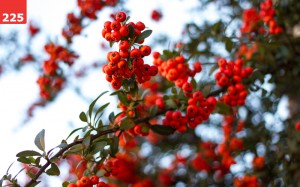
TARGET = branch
(63,150)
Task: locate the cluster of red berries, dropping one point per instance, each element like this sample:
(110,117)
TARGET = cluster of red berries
(198,110)
(128,62)
(90,8)
(267,14)
(52,81)
(156,15)
(252,19)
(231,74)
(73,27)
(92,181)
(177,70)
(246,181)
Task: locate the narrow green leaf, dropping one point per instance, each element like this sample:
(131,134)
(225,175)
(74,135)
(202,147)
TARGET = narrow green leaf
(123,98)
(83,117)
(126,124)
(101,109)
(114,146)
(91,107)
(162,129)
(131,31)
(86,142)
(171,104)
(53,171)
(143,36)
(24,160)
(74,132)
(174,91)
(111,117)
(194,83)
(30,174)
(111,43)
(34,183)
(213,69)
(228,44)
(39,140)
(28,153)
(206,89)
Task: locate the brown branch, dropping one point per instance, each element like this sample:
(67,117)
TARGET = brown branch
(63,150)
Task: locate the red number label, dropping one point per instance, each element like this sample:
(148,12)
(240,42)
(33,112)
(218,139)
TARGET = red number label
(13,12)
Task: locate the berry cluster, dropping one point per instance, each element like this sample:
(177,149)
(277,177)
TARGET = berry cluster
(127,63)
(52,80)
(267,14)
(177,70)
(198,110)
(73,27)
(246,181)
(252,19)
(92,181)
(231,75)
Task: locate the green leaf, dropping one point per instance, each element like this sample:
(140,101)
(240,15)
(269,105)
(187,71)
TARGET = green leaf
(83,117)
(131,31)
(223,108)
(114,146)
(123,98)
(91,107)
(24,160)
(30,174)
(98,147)
(65,184)
(74,132)
(101,109)
(142,36)
(171,104)
(228,44)
(111,43)
(194,83)
(126,124)
(111,117)
(213,69)
(153,111)
(34,183)
(86,142)
(53,171)
(206,89)
(39,140)
(162,129)
(28,153)
(174,91)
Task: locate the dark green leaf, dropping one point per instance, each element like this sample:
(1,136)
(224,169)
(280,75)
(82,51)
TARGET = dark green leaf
(114,146)
(194,83)
(74,132)
(213,68)
(153,111)
(111,117)
(174,90)
(30,174)
(39,140)
(143,36)
(34,183)
(101,109)
(162,129)
(111,43)
(223,108)
(126,124)
(98,147)
(171,104)
(123,98)
(91,107)
(54,170)
(131,31)
(228,44)
(24,160)
(65,184)
(206,89)
(83,117)
(86,142)
(28,153)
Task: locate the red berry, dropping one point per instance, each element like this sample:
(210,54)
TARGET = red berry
(140,26)
(145,50)
(72,185)
(124,45)
(94,179)
(121,16)
(135,53)
(187,87)
(115,25)
(124,30)
(116,84)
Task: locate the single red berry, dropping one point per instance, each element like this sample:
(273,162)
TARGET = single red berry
(72,185)
(121,16)
(116,36)
(187,87)
(94,179)
(297,126)
(115,25)
(140,26)
(124,30)
(124,45)
(116,84)
(197,67)
(145,50)
(135,53)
